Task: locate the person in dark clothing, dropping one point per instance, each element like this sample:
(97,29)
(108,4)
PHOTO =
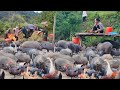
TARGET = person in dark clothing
(30,28)
(98,27)
(31,32)
(25,32)
(45,34)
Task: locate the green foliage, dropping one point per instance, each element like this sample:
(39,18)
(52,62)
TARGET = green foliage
(1,27)
(46,16)
(67,22)
(94,40)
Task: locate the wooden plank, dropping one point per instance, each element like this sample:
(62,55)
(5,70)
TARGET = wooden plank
(93,34)
(80,35)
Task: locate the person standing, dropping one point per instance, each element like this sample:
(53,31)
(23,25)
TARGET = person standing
(25,32)
(45,33)
(84,15)
(44,30)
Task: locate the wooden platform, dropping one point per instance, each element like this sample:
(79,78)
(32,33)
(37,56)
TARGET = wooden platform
(81,35)
(94,34)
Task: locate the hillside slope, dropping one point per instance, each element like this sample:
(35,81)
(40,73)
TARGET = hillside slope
(9,13)
(67,22)
(108,18)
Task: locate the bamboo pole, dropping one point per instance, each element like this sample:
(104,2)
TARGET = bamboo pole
(54,25)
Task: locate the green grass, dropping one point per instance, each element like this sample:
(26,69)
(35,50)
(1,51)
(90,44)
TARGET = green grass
(108,18)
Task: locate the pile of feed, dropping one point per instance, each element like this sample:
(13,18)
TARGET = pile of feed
(35,36)
(21,37)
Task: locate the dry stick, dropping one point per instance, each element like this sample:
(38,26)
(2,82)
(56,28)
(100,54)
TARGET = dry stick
(54,31)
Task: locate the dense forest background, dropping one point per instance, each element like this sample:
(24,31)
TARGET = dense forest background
(67,22)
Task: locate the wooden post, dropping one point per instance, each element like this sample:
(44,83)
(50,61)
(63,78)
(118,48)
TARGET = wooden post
(70,36)
(54,25)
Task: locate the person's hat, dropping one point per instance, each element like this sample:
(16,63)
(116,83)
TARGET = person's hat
(45,23)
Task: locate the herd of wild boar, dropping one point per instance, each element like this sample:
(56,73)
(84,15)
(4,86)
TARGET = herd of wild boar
(37,60)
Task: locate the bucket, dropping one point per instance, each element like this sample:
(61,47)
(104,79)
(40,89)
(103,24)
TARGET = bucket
(108,29)
(51,35)
(76,40)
